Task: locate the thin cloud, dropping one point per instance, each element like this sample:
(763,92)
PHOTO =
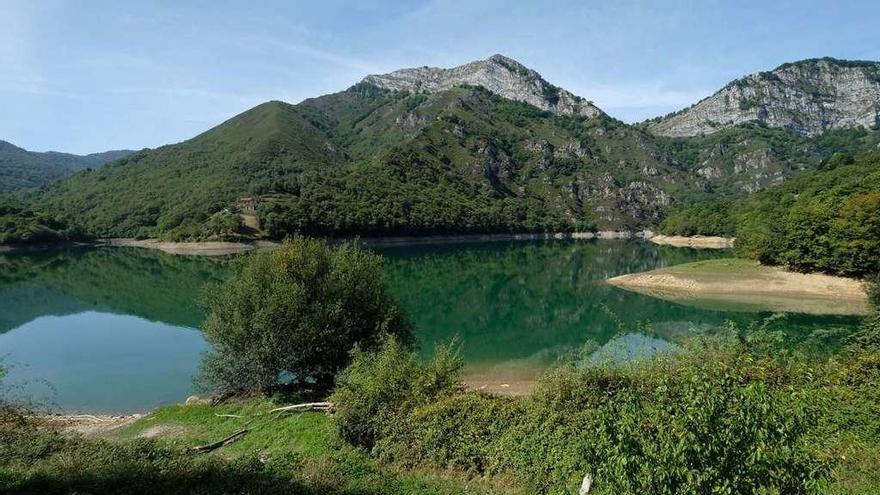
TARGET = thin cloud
(320,54)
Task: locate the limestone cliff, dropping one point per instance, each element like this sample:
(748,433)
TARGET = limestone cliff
(498,74)
(808,97)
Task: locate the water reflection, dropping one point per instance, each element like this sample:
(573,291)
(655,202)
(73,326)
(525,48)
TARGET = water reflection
(115,329)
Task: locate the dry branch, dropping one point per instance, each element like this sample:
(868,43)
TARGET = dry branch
(220,443)
(308,406)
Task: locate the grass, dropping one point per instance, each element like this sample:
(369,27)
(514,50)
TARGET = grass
(302,446)
(305,434)
(723,265)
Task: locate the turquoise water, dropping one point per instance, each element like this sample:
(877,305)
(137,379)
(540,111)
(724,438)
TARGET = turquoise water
(116,329)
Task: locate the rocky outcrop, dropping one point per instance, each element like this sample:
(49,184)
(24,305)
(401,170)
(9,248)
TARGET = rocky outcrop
(499,74)
(807,97)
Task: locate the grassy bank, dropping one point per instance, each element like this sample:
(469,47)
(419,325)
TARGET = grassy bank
(297,454)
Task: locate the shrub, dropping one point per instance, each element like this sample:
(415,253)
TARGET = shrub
(874,292)
(290,316)
(727,417)
(377,386)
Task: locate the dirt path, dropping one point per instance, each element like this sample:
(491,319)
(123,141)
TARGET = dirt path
(738,284)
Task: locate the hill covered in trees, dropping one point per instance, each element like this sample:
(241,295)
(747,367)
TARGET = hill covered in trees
(431,151)
(20,168)
(826,220)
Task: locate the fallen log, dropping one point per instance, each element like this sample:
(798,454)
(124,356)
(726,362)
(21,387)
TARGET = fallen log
(308,406)
(220,443)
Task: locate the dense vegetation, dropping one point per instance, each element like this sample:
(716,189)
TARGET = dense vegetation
(372,161)
(292,315)
(20,224)
(826,220)
(734,413)
(294,454)
(743,411)
(20,169)
(369,161)
(737,415)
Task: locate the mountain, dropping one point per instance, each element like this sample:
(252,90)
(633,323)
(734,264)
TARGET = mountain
(499,74)
(808,98)
(489,146)
(418,151)
(20,168)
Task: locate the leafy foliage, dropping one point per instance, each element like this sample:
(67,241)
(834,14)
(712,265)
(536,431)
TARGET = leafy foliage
(21,225)
(20,169)
(706,218)
(825,221)
(294,313)
(730,415)
(38,460)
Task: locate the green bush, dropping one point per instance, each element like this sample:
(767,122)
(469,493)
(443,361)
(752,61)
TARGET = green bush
(290,316)
(825,221)
(727,416)
(709,218)
(377,385)
(874,292)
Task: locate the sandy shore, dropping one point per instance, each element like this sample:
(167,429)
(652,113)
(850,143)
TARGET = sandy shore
(473,238)
(221,248)
(697,241)
(207,248)
(745,285)
(89,424)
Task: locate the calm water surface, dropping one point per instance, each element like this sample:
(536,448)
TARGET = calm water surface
(116,329)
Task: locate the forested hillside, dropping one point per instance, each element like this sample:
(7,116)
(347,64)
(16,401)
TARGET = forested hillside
(374,161)
(440,155)
(20,168)
(827,220)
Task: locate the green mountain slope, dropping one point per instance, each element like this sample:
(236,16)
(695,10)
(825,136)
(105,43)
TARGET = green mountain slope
(21,169)
(750,157)
(442,155)
(368,160)
(825,220)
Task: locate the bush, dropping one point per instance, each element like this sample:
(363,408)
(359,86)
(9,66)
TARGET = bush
(376,386)
(290,316)
(874,292)
(726,417)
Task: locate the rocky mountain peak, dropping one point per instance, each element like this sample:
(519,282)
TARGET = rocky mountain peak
(808,97)
(501,75)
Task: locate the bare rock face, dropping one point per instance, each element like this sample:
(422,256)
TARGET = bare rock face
(807,97)
(498,74)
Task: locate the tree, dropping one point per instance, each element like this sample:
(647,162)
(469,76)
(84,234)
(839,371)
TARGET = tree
(291,316)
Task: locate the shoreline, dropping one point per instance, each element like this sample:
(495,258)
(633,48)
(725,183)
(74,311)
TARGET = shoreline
(696,241)
(223,248)
(735,284)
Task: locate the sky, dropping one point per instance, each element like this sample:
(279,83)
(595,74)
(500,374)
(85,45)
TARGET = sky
(86,76)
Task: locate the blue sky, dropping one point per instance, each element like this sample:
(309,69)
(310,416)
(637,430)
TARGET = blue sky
(85,76)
